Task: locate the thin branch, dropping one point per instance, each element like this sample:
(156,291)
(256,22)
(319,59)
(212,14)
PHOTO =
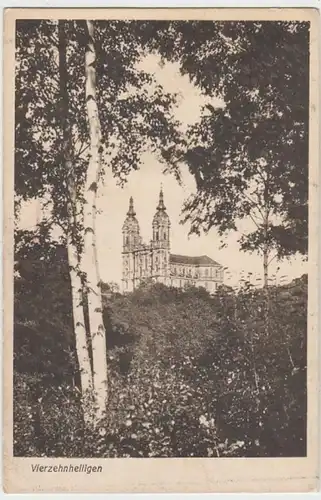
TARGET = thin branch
(272,259)
(255,204)
(261,175)
(182,155)
(259,203)
(82,150)
(254,221)
(290,357)
(250,199)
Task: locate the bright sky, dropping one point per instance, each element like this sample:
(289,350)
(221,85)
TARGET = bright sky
(144,186)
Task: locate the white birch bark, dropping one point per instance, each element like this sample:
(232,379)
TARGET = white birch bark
(90,262)
(79,322)
(73,258)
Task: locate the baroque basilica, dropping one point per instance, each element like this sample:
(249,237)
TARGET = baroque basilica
(154,261)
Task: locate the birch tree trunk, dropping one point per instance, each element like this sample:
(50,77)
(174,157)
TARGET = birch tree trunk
(90,261)
(73,256)
(79,324)
(266,253)
(265,265)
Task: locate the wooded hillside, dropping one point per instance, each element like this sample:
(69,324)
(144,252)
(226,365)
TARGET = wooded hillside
(190,374)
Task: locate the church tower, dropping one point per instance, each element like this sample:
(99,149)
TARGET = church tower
(161,243)
(131,243)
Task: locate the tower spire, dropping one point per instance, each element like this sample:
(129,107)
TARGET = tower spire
(131,212)
(161,205)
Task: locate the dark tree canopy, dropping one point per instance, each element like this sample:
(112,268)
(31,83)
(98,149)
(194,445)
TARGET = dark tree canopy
(258,142)
(135,112)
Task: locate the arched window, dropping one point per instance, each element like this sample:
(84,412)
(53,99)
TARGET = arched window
(164,236)
(127,240)
(157,236)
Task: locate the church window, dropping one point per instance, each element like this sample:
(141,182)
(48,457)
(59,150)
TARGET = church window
(157,236)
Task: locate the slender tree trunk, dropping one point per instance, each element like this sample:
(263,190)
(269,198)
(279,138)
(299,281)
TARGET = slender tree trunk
(266,253)
(266,245)
(79,321)
(90,262)
(73,257)
(265,267)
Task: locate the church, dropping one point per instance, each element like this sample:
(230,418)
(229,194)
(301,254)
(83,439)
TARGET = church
(154,261)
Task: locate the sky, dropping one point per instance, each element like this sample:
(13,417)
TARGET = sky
(144,185)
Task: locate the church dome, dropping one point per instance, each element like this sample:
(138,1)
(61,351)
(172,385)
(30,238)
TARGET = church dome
(131,223)
(161,217)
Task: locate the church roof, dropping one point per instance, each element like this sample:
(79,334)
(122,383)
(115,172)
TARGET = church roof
(161,216)
(131,223)
(203,260)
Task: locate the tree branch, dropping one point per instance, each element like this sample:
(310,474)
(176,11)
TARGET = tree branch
(274,256)
(254,221)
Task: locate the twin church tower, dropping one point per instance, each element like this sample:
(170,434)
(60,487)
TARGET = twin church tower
(154,261)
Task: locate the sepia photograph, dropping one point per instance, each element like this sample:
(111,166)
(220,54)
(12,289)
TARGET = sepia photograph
(161,223)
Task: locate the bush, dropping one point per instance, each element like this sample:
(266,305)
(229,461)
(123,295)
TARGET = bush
(189,375)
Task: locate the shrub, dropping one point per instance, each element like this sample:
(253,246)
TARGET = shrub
(189,375)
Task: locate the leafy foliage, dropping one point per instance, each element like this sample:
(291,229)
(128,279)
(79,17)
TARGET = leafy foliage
(249,157)
(135,112)
(42,308)
(190,375)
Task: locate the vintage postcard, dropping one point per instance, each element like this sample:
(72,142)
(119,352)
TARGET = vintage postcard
(161,185)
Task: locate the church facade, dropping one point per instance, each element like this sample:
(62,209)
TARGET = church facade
(154,261)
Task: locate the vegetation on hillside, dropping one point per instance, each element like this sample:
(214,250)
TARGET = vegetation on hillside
(190,374)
